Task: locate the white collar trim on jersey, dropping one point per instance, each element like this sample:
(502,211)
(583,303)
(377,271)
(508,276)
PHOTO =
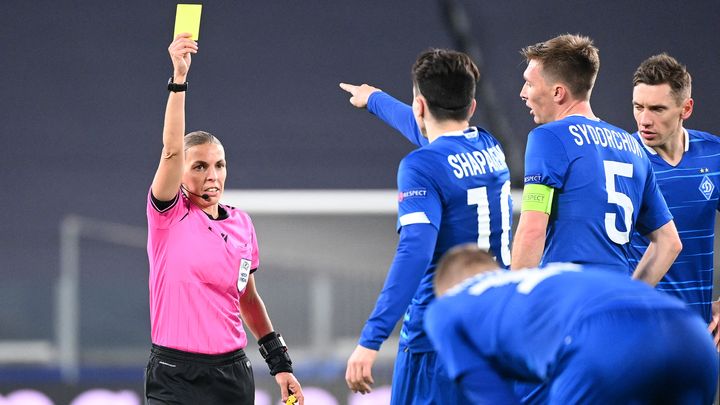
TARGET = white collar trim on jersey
(471,132)
(596,119)
(652,151)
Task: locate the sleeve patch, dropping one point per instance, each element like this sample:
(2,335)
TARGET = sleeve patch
(414,193)
(533,179)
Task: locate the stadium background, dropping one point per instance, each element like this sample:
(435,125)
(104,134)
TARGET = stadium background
(83,93)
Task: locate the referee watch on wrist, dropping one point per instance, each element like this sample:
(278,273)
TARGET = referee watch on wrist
(176,87)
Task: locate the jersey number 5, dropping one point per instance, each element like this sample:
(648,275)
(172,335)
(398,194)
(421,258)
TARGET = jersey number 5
(478,196)
(613,169)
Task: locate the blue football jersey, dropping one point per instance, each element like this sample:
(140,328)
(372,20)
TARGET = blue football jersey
(691,190)
(604,189)
(460,184)
(518,321)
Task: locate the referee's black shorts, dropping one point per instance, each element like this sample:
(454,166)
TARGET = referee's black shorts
(177,377)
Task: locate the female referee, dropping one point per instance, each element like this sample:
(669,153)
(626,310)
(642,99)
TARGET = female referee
(202,257)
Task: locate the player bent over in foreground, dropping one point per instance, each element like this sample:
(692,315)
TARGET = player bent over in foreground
(583,331)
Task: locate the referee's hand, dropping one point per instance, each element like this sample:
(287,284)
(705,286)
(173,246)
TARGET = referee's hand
(359,370)
(289,385)
(180,50)
(359,94)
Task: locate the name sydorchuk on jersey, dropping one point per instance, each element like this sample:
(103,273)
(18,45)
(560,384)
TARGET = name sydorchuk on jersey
(586,134)
(478,162)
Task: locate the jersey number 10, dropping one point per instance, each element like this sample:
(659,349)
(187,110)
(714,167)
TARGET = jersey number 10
(478,196)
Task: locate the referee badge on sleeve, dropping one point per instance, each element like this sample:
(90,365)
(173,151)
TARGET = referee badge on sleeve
(243,274)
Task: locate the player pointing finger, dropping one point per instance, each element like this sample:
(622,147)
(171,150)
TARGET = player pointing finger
(360,94)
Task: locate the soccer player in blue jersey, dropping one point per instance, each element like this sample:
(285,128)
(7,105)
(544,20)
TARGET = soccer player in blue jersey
(588,184)
(453,190)
(687,168)
(592,336)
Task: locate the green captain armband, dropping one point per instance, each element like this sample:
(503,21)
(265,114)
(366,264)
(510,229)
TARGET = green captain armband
(537,197)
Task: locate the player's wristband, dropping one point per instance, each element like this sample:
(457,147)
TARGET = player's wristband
(274,351)
(176,87)
(537,197)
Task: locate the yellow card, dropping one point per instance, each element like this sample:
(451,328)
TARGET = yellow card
(187,19)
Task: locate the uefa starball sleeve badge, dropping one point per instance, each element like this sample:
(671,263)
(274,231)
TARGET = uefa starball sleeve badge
(243,274)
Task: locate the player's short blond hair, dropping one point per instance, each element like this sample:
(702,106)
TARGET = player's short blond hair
(569,59)
(461,262)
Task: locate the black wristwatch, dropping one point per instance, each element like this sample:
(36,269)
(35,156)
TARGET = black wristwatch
(176,87)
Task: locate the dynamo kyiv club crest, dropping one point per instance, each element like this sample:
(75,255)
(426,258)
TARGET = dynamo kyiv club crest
(706,187)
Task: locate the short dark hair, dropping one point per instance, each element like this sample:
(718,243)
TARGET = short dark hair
(447,79)
(199,138)
(570,59)
(664,69)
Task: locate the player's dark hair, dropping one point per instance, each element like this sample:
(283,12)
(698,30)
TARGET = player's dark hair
(570,59)
(461,262)
(199,138)
(447,79)
(664,69)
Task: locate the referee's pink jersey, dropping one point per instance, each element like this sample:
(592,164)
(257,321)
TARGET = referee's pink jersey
(198,270)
